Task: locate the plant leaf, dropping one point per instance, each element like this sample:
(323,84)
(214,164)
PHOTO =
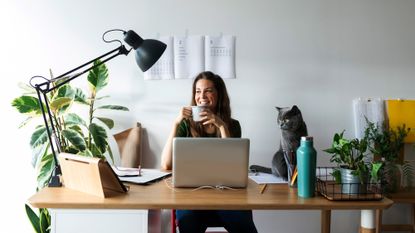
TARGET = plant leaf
(27,89)
(98,77)
(95,151)
(374,173)
(110,153)
(80,97)
(28,105)
(65,91)
(25,122)
(114,107)
(74,119)
(46,166)
(38,152)
(86,153)
(108,122)
(34,219)
(99,135)
(60,104)
(39,137)
(102,97)
(78,129)
(44,221)
(75,138)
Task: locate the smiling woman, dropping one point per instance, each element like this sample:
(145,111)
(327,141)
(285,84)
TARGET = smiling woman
(208,90)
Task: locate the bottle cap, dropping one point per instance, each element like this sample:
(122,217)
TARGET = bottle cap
(307,138)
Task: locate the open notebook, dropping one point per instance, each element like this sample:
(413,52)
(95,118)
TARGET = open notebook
(210,161)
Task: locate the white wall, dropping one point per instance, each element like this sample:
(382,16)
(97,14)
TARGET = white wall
(318,54)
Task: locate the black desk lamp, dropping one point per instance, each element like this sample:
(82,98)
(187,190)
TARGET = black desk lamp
(147,52)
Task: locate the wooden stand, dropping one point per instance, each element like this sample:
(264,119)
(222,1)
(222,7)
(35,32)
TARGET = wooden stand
(90,175)
(407,197)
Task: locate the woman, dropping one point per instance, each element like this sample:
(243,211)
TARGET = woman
(209,90)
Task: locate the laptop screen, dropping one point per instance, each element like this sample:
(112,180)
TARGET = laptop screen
(210,162)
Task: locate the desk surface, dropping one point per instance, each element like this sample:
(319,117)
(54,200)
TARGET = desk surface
(161,196)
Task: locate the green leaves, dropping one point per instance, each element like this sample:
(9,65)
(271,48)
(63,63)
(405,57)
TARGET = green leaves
(27,105)
(41,223)
(84,137)
(34,219)
(99,135)
(46,166)
(350,154)
(375,171)
(98,77)
(74,119)
(75,138)
(108,122)
(39,137)
(114,107)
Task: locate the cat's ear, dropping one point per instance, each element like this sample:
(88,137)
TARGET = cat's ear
(295,108)
(278,108)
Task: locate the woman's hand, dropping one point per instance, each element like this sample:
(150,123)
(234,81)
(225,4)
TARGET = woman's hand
(185,113)
(208,117)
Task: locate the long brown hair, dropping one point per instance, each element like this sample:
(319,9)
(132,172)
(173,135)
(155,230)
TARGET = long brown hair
(223,109)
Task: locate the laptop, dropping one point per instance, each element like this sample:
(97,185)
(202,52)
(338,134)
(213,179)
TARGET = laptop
(210,162)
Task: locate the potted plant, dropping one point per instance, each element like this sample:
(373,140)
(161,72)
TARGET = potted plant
(354,169)
(78,136)
(387,146)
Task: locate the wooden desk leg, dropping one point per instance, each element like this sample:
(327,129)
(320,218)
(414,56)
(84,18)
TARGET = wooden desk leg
(325,221)
(378,221)
(367,221)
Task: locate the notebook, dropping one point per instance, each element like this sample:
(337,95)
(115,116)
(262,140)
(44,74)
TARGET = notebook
(210,162)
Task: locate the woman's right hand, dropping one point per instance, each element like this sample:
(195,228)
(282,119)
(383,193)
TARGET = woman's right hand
(185,113)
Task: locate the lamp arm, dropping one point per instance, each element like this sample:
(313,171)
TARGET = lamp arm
(120,50)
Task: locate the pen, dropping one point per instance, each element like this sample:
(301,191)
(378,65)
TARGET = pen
(263,188)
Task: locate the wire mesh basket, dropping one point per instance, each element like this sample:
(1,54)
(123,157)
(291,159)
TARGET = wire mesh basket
(327,186)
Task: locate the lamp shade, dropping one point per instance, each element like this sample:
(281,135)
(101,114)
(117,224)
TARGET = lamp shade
(147,52)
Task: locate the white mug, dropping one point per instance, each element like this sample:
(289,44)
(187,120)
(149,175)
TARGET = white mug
(196,110)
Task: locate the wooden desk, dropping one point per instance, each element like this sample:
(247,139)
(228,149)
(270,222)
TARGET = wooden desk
(160,196)
(407,197)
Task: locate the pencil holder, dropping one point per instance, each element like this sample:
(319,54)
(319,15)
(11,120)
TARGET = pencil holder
(291,161)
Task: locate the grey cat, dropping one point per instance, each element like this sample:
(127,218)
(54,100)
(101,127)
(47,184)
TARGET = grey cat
(292,128)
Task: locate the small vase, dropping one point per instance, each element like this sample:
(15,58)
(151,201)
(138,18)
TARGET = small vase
(351,184)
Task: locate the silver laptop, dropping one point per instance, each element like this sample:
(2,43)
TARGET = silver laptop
(210,161)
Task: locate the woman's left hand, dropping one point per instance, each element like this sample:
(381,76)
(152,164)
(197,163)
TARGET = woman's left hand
(209,117)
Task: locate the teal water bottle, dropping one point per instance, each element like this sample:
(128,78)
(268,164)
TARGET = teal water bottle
(306,167)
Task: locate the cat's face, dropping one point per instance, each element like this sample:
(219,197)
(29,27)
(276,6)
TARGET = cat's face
(289,118)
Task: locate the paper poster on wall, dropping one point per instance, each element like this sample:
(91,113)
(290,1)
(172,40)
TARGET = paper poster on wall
(373,109)
(163,68)
(402,112)
(188,56)
(220,55)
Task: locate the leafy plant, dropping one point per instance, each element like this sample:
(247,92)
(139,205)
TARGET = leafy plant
(76,135)
(41,222)
(386,144)
(351,154)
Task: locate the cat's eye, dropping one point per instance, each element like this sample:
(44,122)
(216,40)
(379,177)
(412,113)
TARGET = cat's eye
(286,120)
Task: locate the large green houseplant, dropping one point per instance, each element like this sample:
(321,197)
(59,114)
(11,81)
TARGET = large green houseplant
(85,137)
(387,145)
(353,164)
